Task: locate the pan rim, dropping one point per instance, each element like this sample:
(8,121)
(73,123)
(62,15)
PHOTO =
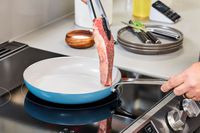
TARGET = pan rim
(115,79)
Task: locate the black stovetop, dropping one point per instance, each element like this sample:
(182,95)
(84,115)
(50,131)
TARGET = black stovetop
(20,111)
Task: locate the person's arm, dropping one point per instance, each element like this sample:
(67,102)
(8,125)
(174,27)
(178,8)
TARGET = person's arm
(186,83)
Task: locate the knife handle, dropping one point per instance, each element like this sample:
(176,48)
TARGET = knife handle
(153,38)
(142,37)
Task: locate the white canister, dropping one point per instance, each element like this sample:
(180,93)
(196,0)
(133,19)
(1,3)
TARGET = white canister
(82,16)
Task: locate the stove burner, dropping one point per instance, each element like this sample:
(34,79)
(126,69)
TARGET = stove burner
(110,99)
(70,114)
(5,96)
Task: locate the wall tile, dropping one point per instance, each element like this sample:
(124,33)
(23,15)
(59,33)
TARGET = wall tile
(20,16)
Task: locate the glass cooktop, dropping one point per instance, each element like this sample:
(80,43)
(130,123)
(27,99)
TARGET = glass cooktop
(27,113)
(21,111)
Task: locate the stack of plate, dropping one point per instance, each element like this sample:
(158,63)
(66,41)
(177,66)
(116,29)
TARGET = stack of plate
(128,40)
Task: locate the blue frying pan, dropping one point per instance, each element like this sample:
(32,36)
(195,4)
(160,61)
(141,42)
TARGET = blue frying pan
(68,80)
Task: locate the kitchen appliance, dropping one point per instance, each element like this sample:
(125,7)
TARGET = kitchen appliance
(14,58)
(73,80)
(138,108)
(68,80)
(174,114)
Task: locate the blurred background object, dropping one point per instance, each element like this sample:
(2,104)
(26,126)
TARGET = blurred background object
(20,17)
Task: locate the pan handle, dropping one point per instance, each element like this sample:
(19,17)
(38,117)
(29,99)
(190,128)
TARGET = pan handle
(142,81)
(138,81)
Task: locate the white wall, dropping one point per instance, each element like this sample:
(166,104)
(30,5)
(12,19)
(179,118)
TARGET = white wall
(20,16)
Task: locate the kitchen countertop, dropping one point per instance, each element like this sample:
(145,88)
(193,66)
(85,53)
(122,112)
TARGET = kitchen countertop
(51,38)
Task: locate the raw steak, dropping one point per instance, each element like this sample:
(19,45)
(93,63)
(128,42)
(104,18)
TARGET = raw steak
(105,47)
(105,126)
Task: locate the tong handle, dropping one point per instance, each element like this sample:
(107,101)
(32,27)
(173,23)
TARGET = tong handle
(101,9)
(102,13)
(91,9)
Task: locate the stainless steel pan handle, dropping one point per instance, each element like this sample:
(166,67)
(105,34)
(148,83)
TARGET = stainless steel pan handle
(139,81)
(142,81)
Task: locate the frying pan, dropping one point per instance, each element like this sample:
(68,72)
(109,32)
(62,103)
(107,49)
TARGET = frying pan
(68,80)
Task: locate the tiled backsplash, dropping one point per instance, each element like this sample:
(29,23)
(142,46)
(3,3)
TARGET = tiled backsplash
(20,16)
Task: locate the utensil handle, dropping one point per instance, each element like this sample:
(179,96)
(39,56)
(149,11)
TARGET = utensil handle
(140,34)
(142,81)
(101,9)
(142,37)
(166,35)
(91,9)
(153,38)
(139,81)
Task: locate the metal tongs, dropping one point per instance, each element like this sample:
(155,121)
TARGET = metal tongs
(102,13)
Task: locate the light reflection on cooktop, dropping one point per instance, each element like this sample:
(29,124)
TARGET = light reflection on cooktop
(70,114)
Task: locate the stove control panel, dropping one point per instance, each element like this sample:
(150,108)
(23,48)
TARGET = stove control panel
(191,108)
(172,114)
(149,128)
(176,119)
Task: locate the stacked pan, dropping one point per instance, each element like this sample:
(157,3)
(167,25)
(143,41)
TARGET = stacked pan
(171,40)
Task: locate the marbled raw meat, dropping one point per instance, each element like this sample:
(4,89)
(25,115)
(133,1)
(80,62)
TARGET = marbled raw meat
(105,47)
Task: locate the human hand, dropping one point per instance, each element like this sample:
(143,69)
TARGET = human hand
(186,83)
(85,1)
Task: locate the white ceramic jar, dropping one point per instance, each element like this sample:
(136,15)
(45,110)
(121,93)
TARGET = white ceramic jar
(82,16)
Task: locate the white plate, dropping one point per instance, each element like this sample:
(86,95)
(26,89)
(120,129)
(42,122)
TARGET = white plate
(67,75)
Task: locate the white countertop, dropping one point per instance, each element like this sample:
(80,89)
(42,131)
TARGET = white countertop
(52,38)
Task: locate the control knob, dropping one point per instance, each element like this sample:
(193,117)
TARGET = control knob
(176,119)
(191,108)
